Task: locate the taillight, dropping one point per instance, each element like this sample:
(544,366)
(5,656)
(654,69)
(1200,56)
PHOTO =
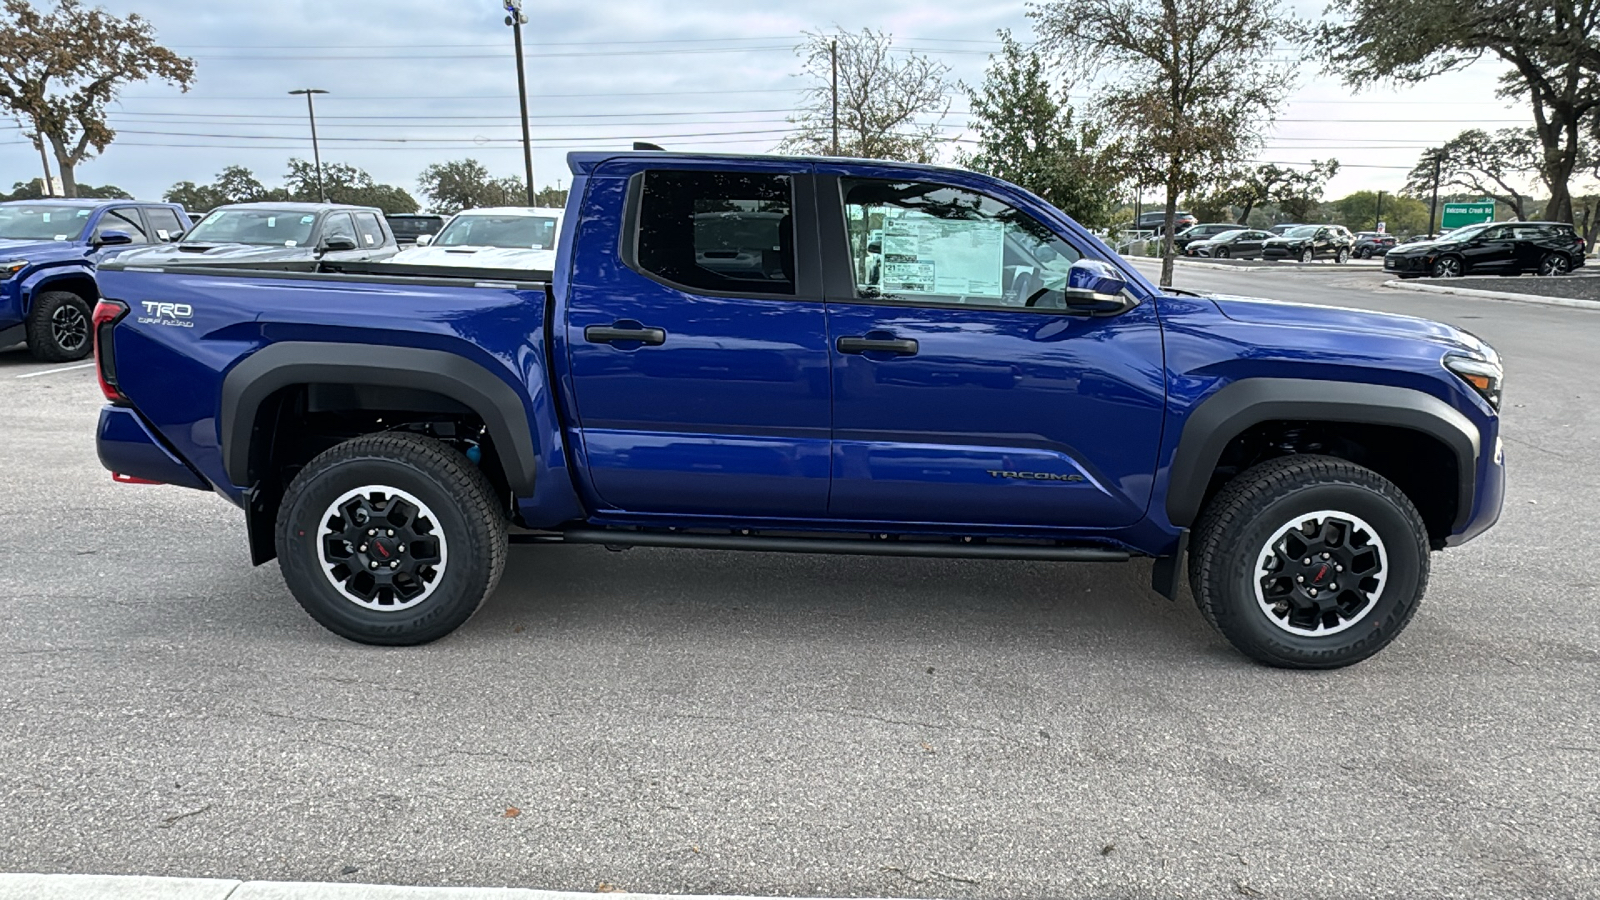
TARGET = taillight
(107,313)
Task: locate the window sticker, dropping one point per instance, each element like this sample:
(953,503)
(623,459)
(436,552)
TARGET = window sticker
(290,243)
(45,216)
(61,237)
(927,255)
(162,234)
(307,220)
(272,221)
(83,213)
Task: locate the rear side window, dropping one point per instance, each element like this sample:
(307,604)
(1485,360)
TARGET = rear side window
(124,219)
(371,230)
(164,222)
(725,232)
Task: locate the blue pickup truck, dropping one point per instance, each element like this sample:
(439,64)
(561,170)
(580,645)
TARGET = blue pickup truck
(48,253)
(816,356)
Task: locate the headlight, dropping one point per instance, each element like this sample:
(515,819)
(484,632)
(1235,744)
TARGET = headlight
(11,268)
(1485,375)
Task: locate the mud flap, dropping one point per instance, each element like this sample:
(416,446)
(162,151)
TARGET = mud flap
(1167,571)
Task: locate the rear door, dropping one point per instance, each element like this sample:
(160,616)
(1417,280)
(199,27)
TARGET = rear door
(964,392)
(697,339)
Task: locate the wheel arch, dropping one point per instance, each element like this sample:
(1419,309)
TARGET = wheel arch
(1378,418)
(76,279)
(287,364)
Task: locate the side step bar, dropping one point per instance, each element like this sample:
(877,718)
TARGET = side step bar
(624,539)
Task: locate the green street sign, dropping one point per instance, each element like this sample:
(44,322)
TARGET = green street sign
(1457,215)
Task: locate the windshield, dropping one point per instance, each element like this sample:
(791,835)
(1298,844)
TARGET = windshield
(510,231)
(1465,234)
(1301,231)
(34,222)
(1228,235)
(261,227)
(414,227)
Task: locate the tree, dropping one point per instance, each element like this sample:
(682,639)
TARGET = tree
(34,190)
(1254,187)
(1483,164)
(880,99)
(234,184)
(1402,214)
(1027,135)
(1553,48)
(344,183)
(59,70)
(1192,83)
(466,184)
(1299,193)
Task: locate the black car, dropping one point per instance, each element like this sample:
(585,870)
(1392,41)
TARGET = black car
(1184,238)
(1373,243)
(407,227)
(1494,248)
(1240,243)
(1305,243)
(1157,222)
(279,232)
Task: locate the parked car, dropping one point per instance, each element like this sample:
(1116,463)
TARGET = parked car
(1310,242)
(1373,243)
(48,253)
(1284,227)
(279,232)
(1240,243)
(1497,248)
(507,237)
(1182,239)
(407,227)
(383,433)
(1157,222)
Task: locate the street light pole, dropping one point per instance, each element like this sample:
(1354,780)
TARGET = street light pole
(1433,210)
(1378,218)
(516,20)
(316,151)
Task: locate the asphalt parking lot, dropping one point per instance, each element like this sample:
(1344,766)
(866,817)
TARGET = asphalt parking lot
(681,721)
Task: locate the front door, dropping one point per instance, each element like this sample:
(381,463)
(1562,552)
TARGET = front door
(1491,251)
(964,392)
(697,339)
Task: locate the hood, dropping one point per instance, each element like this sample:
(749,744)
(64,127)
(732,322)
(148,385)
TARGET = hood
(31,250)
(1257,311)
(209,253)
(1280,239)
(1418,246)
(478,258)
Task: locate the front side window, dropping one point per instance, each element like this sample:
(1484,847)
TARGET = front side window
(261,227)
(38,222)
(726,232)
(339,227)
(124,219)
(931,244)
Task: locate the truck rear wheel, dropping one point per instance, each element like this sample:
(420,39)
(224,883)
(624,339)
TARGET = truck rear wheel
(58,327)
(391,538)
(1309,562)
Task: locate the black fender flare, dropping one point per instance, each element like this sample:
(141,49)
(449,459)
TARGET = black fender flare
(1251,401)
(280,365)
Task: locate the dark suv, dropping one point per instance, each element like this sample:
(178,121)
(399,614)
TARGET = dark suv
(1157,222)
(1308,242)
(1494,248)
(407,227)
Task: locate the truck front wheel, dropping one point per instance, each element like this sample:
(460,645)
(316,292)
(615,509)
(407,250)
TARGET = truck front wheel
(391,538)
(58,327)
(1309,562)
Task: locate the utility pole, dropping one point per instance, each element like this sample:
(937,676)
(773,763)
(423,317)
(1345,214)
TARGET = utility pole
(1378,218)
(316,152)
(1433,210)
(833,54)
(516,20)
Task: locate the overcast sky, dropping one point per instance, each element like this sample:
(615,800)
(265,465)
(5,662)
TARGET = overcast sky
(420,81)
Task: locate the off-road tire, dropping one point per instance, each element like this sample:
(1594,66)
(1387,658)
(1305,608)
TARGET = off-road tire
(454,491)
(45,327)
(1234,531)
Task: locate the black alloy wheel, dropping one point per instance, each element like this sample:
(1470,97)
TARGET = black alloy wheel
(1554,264)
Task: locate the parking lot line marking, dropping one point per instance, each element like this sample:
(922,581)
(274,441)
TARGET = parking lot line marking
(53,371)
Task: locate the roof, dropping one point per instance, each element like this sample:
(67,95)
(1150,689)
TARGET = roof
(582,162)
(511,211)
(86,202)
(297,207)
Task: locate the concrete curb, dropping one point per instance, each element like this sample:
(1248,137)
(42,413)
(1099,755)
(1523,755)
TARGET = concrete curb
(1224,267)
(136,887)
(1494,295)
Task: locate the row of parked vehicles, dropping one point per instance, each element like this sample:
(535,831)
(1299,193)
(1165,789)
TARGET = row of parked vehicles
(1500,248)
(49,250)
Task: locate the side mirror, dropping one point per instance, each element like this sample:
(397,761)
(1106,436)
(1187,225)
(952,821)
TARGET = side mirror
(424,240)
(1095,288)
(875,247)
(338,244)
(113,239)
(175,236)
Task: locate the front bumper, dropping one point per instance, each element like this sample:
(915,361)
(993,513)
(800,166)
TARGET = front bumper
(133,452)
(1406,265)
